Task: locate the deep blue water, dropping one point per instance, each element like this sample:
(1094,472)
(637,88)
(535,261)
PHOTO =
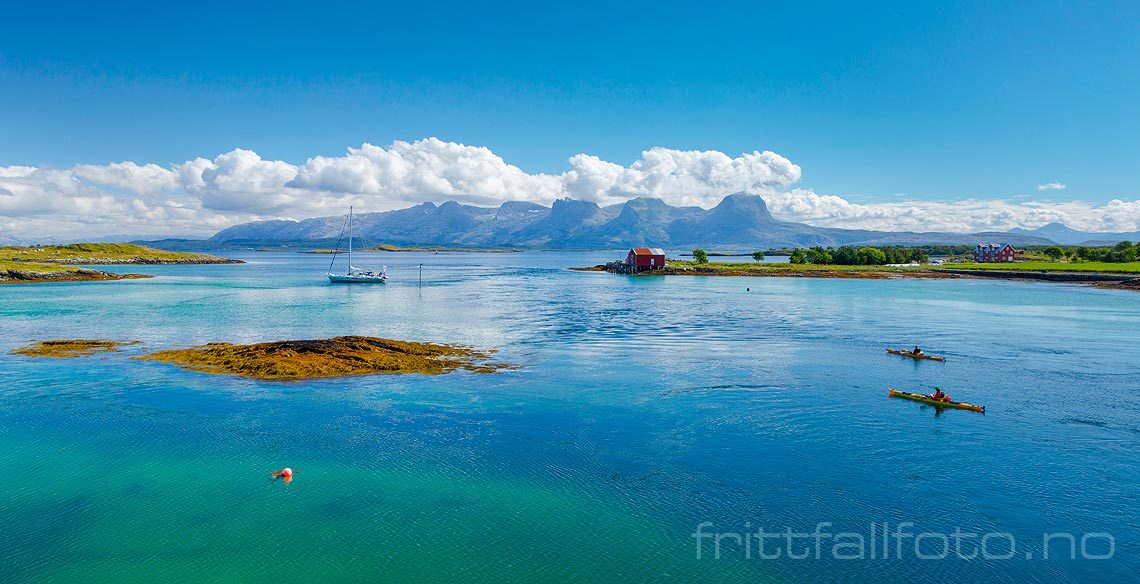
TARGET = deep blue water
(643,408)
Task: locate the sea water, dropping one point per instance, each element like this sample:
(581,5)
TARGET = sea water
(654,426)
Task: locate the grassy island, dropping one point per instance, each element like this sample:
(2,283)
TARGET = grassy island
(105,253)
(431,248)
(56,263)
(789,269)
(1101,274)
(32,272)
(335,357)
(785,270)
(69,349)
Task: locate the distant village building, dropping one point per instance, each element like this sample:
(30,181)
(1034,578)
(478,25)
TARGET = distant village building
(988,253)
(645,258)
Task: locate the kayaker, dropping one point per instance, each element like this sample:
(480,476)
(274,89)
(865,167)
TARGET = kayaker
(939,395)
(285,474)
(917,350)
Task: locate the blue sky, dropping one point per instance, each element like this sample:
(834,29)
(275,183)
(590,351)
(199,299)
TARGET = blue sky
(937,102)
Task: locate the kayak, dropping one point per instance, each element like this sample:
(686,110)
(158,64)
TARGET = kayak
(913,355)
(928,400)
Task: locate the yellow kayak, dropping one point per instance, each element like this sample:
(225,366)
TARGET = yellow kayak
(926,399)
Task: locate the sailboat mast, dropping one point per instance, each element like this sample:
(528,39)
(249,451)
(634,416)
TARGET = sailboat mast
(350,239)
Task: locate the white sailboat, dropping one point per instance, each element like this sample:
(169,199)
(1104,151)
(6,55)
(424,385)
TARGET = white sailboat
(354,275)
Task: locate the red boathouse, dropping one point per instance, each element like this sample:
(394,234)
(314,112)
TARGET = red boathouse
(645,258)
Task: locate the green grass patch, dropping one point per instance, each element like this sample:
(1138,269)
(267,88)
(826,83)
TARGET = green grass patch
(1127,268)
(96,253)
(6,265)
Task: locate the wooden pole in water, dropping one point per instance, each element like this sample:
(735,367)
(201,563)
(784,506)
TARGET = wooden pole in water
(421,275)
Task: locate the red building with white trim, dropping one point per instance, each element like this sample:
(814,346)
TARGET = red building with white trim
(987,253)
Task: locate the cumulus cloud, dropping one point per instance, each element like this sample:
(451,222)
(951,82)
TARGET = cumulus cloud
(968,215)
(1052,186)
(200,196)
(141,180)
(681,177)
(426,170)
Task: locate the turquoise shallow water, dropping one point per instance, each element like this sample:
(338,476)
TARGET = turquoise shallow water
(644,407)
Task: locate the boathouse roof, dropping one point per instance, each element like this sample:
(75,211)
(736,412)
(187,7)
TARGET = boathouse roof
(648,251)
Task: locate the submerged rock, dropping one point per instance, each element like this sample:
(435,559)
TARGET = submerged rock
(333,357)
(68,349)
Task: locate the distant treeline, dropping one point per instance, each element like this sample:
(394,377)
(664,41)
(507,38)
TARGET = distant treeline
(860,256)
(848,255)
(1122,252)
(936,250)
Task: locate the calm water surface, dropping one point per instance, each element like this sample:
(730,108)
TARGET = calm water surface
(643,408)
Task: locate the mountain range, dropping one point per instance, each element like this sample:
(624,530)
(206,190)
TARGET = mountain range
(740,221)
(1065,235)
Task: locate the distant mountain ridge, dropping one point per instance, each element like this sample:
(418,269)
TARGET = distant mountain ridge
(1066,235)
(740,220)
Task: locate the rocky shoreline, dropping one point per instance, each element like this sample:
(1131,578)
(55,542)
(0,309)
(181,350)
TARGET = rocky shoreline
(807,271)
(1099,280)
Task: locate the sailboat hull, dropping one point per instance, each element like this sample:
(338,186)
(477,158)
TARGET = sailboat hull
(356,279)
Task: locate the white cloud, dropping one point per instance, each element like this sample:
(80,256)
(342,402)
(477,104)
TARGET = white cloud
(240,181)
(16,171)
(1052,186)
(968,215)
(141,180)
(681,177)
(426,170)
(202,195)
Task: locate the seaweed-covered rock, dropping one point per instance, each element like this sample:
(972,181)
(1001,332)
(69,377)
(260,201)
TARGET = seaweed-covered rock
(71,348)
(339,356)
